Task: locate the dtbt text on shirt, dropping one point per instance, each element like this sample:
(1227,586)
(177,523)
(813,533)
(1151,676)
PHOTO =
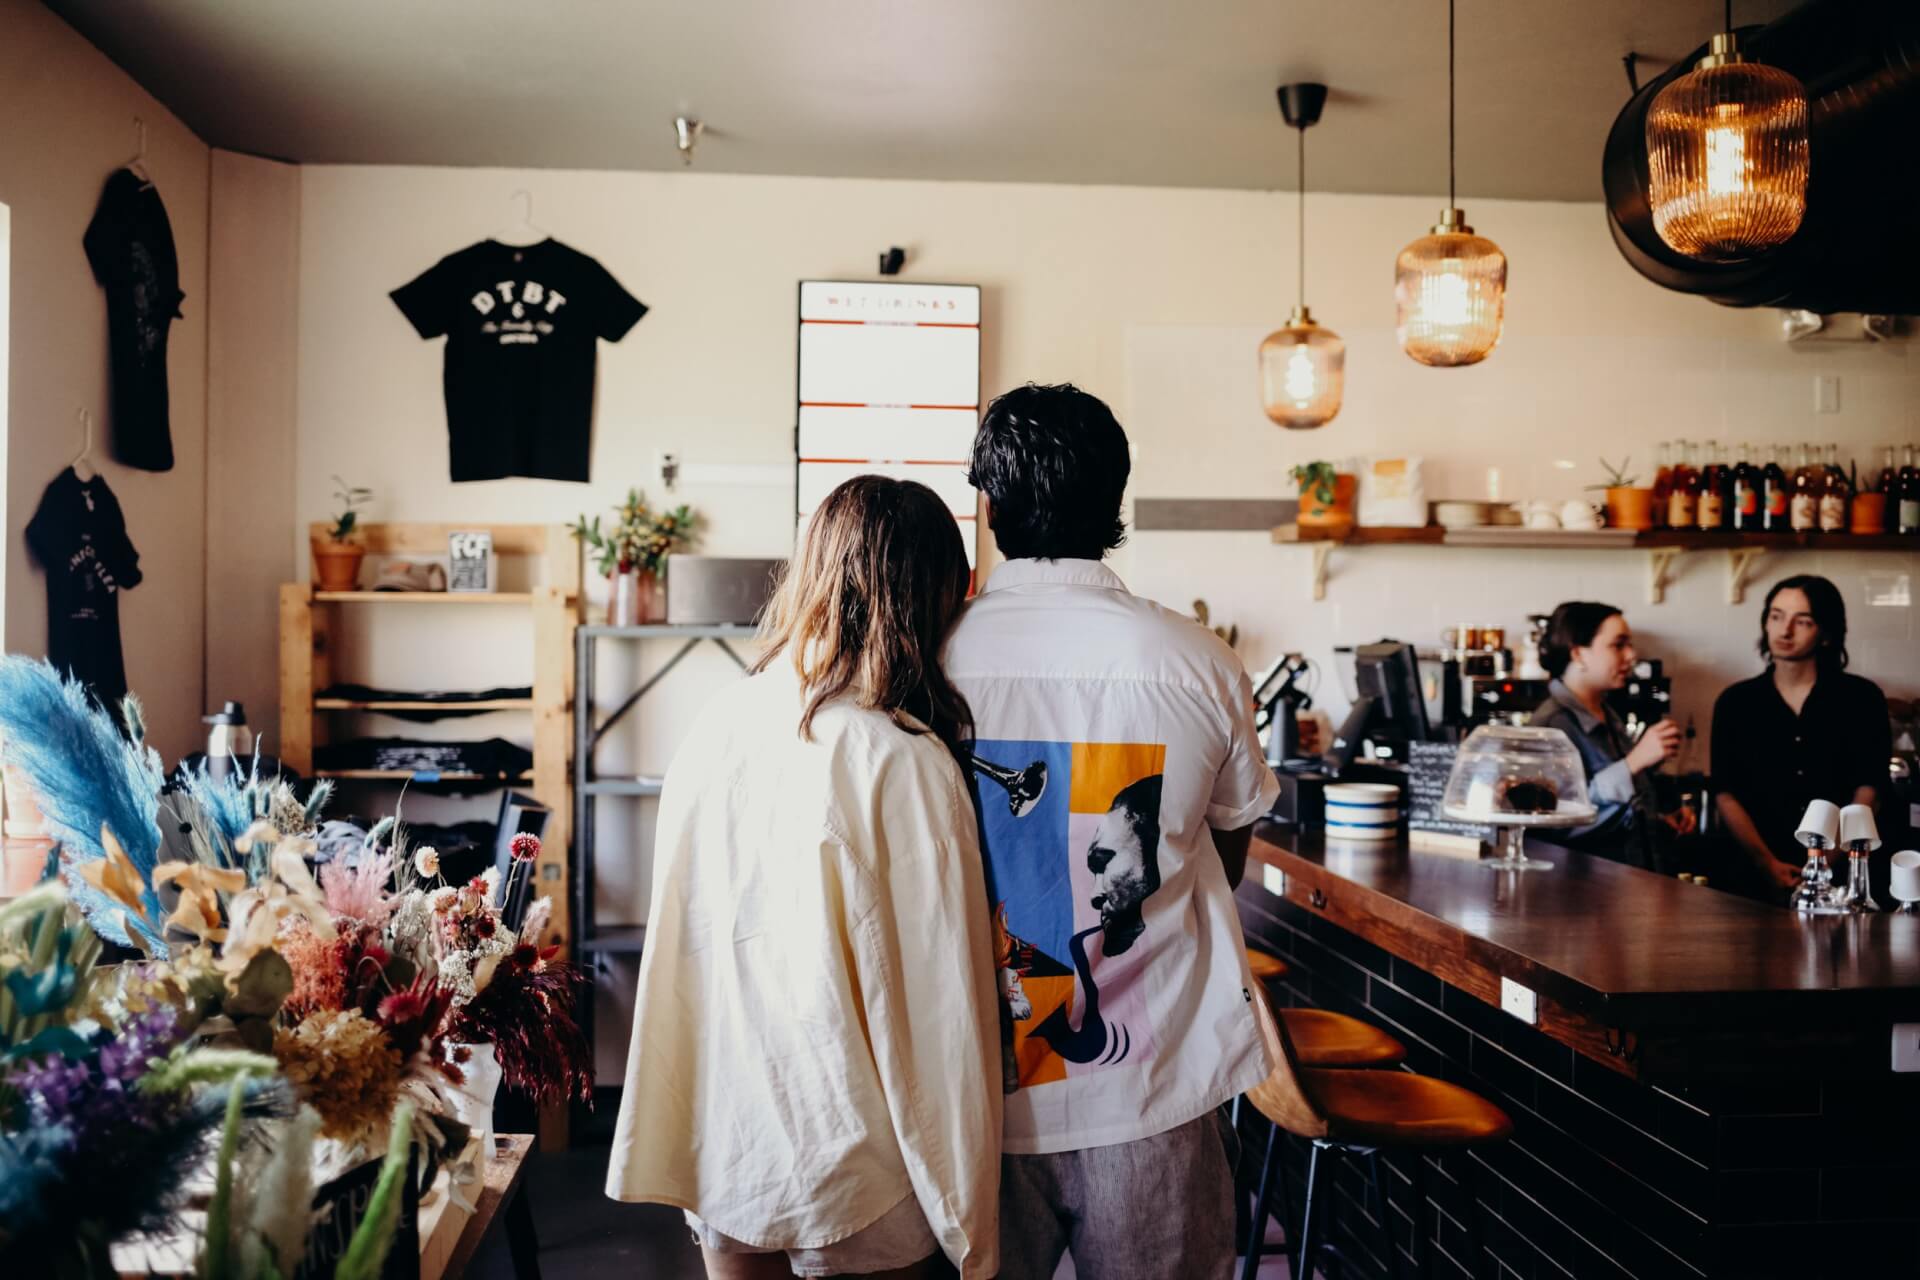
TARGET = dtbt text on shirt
(522,325)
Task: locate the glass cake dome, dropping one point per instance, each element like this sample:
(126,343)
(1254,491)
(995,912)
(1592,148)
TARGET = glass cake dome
(1514,777)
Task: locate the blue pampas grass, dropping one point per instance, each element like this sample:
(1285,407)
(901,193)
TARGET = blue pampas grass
(85,776)
(227,802)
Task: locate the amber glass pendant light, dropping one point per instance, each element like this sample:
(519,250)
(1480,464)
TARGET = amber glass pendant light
(1727,156)
(1303,366)
(1450,285)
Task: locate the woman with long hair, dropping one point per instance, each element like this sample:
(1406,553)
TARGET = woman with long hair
(814,1074)
(1588,650)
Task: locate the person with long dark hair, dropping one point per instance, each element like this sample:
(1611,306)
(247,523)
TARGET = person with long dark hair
(815,1068)
(1805,728)
(1588,650)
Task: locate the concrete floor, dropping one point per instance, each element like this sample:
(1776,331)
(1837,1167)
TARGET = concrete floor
(583,1234)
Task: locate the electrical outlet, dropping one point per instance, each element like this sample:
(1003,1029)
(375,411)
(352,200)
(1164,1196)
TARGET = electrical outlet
(1826,393)
(1906,1046)
(1274,879)
(1520,1001)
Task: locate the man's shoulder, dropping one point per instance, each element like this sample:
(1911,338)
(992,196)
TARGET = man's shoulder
(1125,632)
(1858,689)
(1743,693)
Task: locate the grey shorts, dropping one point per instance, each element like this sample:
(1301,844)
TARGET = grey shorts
(1158,1208)
(899,1238)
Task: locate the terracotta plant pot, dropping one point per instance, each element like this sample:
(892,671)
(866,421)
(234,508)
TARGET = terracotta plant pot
(1869,513)
(1630,508)
(336,565)
(1336,515)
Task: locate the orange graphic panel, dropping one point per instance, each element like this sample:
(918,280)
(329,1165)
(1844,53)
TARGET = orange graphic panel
(1102,770)
(1038,1063)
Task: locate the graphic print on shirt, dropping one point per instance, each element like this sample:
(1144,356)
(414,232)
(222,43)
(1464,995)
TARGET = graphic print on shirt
(1072,837)
(519,312)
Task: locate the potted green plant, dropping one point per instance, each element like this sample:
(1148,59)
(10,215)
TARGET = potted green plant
(338,552)
(1628,506)
(633,552)
(1326,495)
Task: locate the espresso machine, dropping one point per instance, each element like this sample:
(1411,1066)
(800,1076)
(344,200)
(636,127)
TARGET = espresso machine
(1472,679)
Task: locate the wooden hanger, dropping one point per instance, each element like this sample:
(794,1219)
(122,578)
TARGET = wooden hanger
(82,463)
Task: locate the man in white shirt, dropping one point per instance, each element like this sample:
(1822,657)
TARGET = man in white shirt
(1117,778)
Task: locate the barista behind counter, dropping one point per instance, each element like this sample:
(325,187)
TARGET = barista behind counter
(1803,729)
(1588,650)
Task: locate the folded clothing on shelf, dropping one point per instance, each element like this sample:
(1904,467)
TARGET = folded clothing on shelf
(493,757)
(448,701)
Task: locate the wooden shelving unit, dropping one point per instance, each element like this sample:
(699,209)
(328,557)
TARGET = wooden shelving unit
(1662,546)
(309,628)
(424,597)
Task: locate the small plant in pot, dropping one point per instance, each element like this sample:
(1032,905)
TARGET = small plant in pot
(337,553)
(1326,495)
(633,554)
(1628,506)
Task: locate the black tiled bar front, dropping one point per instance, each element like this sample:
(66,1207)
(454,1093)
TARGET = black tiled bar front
(1605,1176)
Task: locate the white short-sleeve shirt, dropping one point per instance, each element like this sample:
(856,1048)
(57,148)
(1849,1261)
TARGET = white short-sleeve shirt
(1110,735)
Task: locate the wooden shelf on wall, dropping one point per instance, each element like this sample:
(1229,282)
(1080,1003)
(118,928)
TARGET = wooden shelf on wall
(1662,546)
(490,704)
(424,776)
(423,597)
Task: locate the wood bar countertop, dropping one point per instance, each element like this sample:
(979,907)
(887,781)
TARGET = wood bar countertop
(1646,973)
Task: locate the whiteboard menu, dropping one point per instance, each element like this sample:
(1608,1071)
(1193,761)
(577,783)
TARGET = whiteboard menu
(889,385)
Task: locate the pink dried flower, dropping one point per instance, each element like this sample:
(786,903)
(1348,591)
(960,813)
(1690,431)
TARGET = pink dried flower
(359,893)
(525,846)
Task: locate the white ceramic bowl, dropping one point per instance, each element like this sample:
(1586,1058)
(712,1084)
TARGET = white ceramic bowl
(1459,515)
(1363,810)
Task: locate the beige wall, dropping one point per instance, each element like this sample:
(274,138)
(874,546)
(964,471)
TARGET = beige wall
(1155,299)
(253,255)
(69,116)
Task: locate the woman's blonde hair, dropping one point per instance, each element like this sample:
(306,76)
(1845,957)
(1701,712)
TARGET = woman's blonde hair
(866,603)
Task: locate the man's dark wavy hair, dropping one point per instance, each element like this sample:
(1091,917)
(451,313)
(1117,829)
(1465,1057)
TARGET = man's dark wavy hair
(1053,462)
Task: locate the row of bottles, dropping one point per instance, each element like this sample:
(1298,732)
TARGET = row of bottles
(1697,488)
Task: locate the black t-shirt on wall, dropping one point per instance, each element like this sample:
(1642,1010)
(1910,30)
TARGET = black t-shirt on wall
(129,244)
(522,325)
(80,538)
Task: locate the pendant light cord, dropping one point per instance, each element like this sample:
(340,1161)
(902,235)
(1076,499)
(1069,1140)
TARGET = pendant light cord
(1451,200)
(1301,221)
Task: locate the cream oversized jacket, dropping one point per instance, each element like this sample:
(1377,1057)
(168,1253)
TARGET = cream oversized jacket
(816,1036)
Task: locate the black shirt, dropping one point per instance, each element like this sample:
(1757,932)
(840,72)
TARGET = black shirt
(129,244)
(522,327)
(1773,762)
(80,539)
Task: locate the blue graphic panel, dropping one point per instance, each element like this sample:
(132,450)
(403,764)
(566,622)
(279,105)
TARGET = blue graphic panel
(1027,864)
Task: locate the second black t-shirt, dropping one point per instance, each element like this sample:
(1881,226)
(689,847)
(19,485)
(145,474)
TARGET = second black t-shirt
(522,325)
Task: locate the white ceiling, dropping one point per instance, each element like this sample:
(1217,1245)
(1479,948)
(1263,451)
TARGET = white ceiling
(1148,92)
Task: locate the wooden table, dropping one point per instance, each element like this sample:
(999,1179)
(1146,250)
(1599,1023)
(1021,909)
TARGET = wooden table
(502,1202)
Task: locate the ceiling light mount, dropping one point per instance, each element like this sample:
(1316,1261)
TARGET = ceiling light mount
(686,136)
(1301,104)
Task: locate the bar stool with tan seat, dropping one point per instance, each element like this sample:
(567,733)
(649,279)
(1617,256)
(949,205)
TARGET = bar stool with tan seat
(1320,1038)
(1346,1112)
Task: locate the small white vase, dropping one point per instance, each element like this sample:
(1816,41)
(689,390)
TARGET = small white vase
(473,1100)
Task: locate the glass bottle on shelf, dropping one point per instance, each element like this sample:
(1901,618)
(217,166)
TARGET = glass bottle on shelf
(1776,489)
(1683,509)
(1662,485)
(1711,504)
(1807,486)
(1836,494)
(1908,521)
(1745,509)
(1888,481)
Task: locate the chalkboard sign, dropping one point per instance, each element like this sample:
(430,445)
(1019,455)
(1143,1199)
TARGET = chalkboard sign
(339,1208)
(1428,764)
(470,561)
